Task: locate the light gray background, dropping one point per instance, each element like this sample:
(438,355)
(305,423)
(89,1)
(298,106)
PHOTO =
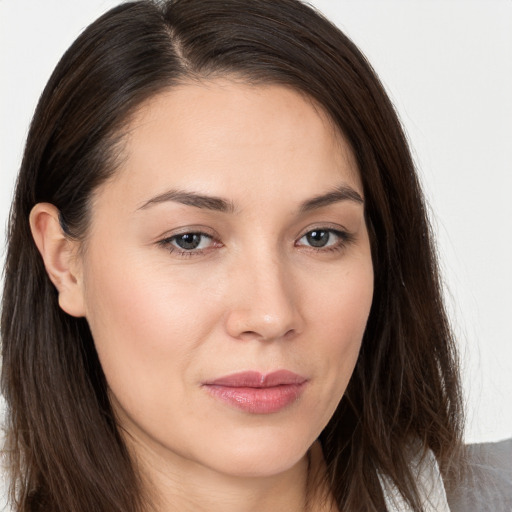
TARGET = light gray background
(447,65)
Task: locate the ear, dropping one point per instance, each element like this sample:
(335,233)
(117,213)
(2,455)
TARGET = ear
(60,256)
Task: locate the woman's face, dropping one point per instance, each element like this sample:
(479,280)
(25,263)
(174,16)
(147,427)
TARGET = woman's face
(227,277)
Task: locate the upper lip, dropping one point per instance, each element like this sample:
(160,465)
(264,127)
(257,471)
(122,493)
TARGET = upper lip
(255,379)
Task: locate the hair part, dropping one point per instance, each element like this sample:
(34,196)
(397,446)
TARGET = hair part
(64,447)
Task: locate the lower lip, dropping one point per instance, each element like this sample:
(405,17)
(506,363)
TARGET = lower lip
(258,400)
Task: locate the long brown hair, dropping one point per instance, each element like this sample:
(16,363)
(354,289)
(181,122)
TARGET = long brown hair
(63,446)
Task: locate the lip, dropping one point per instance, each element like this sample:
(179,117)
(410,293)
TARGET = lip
(258,393)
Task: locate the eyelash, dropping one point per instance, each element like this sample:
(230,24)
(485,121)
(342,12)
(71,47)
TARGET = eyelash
(344,239)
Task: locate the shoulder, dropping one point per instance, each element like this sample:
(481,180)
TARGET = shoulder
(430,485)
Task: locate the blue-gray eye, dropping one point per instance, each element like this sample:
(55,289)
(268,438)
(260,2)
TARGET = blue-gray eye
(324,238)
(319,238)
(191,241)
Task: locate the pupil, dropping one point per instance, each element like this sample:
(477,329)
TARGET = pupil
(318,238)
(188,240)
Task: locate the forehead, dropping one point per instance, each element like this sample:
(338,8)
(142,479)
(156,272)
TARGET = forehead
(226,133)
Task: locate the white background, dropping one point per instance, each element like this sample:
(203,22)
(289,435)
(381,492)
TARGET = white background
(447,65)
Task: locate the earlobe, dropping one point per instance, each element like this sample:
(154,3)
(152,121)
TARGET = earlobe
(60,256)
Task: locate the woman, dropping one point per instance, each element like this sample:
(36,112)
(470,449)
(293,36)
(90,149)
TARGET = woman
(221,291)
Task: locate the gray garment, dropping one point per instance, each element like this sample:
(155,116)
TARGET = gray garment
(487,486)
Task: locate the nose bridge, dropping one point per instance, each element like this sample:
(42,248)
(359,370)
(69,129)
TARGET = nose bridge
(264,301)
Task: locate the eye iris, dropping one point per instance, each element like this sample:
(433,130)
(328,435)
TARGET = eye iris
(188,241)
(318,238)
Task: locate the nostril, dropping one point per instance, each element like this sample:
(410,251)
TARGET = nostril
(290,333)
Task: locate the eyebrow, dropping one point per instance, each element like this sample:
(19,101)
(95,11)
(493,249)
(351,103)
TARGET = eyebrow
(341,193)
(192,199)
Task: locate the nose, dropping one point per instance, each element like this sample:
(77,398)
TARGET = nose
(265,301)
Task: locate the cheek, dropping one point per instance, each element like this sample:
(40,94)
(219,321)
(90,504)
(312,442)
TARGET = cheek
(146,326)
(342,304)
(341,315)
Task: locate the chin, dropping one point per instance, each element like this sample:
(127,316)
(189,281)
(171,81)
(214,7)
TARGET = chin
(260,457)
